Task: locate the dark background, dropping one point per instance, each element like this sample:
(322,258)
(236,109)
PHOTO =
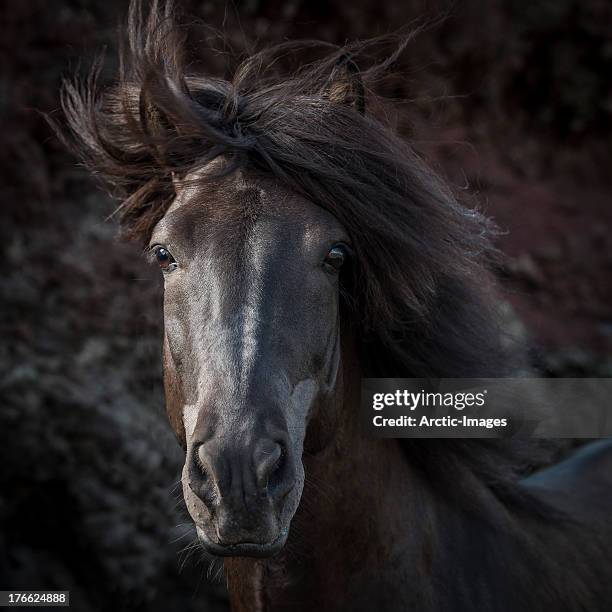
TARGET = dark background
(511,100)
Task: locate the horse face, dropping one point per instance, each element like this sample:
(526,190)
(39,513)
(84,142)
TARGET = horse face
(251,350)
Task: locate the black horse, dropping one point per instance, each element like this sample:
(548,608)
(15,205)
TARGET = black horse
(303,246)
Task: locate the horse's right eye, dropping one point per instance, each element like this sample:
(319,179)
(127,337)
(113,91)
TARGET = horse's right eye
(164,258)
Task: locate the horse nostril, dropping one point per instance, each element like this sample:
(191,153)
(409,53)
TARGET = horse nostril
(201,460)
(205,474)
(283,457)
(269,459)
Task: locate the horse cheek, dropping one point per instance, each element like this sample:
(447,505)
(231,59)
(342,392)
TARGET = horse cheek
(174,396)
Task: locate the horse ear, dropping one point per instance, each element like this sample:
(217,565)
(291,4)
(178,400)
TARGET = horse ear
(345,85)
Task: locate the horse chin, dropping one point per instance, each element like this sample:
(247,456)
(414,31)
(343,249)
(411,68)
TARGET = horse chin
(242,549)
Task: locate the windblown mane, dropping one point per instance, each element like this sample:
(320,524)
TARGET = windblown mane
(420,299)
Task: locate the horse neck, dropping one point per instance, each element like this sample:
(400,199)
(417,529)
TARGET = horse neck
(371,533)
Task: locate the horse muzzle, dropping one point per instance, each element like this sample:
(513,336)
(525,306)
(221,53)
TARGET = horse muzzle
(237,495)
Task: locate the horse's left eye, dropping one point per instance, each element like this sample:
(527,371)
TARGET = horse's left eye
(164,258)
(336,258)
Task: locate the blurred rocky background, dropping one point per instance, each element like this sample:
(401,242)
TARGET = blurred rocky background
(511,101)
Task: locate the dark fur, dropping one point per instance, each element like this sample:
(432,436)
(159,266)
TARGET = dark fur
(419,300)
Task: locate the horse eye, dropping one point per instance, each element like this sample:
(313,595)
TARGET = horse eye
(164,258)
(336,257)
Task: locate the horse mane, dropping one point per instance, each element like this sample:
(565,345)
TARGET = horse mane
(420,297)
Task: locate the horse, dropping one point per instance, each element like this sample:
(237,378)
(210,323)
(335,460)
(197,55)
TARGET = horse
(303,246)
